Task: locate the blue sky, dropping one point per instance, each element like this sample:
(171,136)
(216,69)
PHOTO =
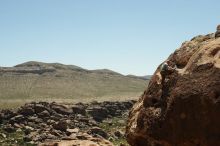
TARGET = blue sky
(127,36)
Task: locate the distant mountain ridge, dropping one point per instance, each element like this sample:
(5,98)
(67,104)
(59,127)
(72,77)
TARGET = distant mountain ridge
(32,66)
(55,80)
(147,77)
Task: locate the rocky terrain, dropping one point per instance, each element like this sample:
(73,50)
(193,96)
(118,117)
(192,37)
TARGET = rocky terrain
(58,124)
(37,81)
(184,111)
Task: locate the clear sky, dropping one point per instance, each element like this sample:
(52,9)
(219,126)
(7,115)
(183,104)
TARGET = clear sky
(127,36)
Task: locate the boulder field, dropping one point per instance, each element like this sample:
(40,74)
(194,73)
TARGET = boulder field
(185,109)
(55,124)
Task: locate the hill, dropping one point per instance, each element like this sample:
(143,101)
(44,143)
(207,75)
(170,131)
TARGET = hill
(147,77)
(55,81)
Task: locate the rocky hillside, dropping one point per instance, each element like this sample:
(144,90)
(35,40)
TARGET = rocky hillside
(52,124)
(33,80)
(184,109)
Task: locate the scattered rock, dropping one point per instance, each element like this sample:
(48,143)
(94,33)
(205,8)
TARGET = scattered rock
(9,128)
(28,129)
(79,109)
(7,114)
(26,110)
(119,134)
(98,131)
(61,109)
(1,118)
(17,119)
(3,135)
(42,122)
(61,125)
(44,114)
(40,108)
(27,138)
(98,113)
(75,130)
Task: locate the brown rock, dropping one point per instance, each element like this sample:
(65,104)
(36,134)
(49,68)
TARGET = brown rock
(119,134)
(88,140)
(217,33)
(98,113)
(44,114)
(79,143)
(61,109)
(3,135)
(188,103)
(61,125)
(1,117)
(98,131)
(79,109)
(26,110)
(17,119)
(9,128)
(39,108)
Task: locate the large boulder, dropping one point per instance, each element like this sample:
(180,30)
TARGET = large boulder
(217,33)
(185,110)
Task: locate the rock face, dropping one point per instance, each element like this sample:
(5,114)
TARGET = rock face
(217,33)
(185,110)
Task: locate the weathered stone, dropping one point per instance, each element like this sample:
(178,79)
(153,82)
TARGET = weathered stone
(61,109)
(97,131)
(26,111)
(17,125)
(17,119)
(56,133)
(44,114)
(3,135)
(217,33)
(7,114)
(40,108)
(61,125)
(188,109)
(75,130)
(50,137)
(28,130)
(79,109)
(50,122)
(98,113)
(9,128)
(27,138)
(119,134)
(1,117)
(92,142)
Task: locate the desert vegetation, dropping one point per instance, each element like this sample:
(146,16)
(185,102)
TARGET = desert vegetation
(36,81)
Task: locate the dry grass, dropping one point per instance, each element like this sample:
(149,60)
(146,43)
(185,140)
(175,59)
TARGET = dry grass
(15,103)
(67,86)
